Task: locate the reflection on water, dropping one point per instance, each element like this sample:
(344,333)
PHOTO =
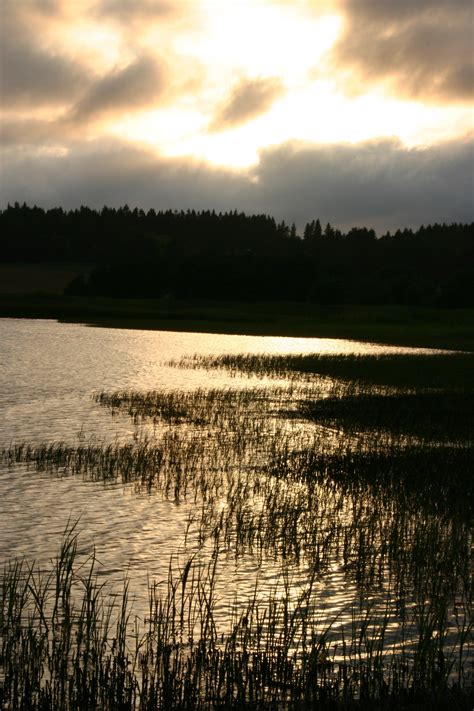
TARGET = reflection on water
(233,472)
(49,370)
(48,373)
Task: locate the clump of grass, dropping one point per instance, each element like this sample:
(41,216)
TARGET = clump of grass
(67,644)
(453,371)
(201,407)
(432,415)
(63,643)
(442,472)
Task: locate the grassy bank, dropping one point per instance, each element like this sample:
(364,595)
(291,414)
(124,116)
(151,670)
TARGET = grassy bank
(400,325)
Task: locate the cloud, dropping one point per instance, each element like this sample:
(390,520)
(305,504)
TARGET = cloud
(379,184)
(419,49)
(139,84)
(110,172)
(39,133)
(30,74)
(35,7)
(35,73)
(129,10)
(135,18)
(247,100)
(23,132)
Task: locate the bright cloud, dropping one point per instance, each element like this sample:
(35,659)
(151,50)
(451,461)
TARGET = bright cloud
(223,85)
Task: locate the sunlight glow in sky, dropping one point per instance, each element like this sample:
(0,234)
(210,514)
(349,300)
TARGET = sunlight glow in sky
(258,39)
(182,131)
(221,84)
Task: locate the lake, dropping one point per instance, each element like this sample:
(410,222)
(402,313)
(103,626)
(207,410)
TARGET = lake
(48,373)
(50,378)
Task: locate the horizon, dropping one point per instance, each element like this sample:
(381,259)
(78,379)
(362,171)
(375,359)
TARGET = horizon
(222,213)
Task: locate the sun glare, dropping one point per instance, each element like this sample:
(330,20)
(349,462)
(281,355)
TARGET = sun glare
(315,114)
(259,40)
(282,41)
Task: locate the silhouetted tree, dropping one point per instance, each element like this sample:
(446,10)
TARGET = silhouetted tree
(234,255)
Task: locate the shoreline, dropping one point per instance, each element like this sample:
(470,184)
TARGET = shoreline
(426,327)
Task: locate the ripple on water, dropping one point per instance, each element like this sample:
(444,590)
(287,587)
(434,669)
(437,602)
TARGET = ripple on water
(48,373)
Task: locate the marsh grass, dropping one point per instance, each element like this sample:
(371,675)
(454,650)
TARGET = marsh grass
(202,407)
(431,415)
(443,370)
(369,478)
(68,644)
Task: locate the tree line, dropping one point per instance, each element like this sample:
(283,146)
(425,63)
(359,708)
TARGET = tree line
(232,255)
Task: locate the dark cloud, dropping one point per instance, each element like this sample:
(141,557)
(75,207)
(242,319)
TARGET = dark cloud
(24,132)
(32,75)
(39,133)
(114,173)
(247,100)
(422,49)
(128,10)
(381,184)
(137,85)
(37,8)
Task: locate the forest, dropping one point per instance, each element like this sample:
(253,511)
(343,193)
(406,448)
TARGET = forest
(234,256)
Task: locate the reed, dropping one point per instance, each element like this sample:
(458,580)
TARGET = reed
(448,370)
(66,643)
(431,415)
(370,477)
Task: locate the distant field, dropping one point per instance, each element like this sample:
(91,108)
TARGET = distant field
(19,278)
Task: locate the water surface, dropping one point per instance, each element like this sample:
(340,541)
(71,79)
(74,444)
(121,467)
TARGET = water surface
(48,374)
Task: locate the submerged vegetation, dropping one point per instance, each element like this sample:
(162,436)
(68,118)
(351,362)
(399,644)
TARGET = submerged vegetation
(350,478)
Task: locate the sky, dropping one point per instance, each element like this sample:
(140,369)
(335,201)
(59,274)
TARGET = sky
(356,112)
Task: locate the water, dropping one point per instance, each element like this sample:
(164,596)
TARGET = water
(48,374)
(48,370)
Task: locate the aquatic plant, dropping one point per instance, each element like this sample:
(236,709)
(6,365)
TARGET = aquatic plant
(371,478)
(67,644)
(442,370)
